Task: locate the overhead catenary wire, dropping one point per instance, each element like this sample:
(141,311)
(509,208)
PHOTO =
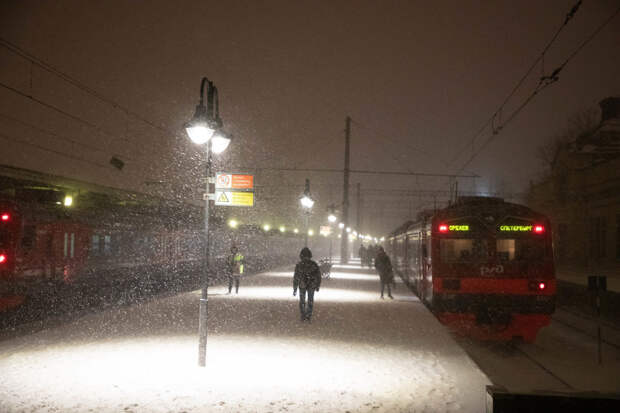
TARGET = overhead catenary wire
(46,149)
(501,107)
(58,136)
(71,80)
(543,83)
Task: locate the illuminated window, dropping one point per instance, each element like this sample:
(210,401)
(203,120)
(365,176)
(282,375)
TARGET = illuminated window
(529,249)
(463,250)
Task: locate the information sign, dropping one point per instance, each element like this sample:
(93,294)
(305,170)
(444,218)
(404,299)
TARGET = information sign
(233,198)
(325,230)
(234,181)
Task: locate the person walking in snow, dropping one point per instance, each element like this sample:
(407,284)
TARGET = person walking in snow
(362,253)
(384,268)
(235,268)
(308,278)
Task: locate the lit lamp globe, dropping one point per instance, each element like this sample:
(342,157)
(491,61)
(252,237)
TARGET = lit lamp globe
(219,142)
(306,202)
(199,129)
(332,218)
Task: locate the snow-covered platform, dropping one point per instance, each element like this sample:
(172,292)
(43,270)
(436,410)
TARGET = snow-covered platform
(360,354)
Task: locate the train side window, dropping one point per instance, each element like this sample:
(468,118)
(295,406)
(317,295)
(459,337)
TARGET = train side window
(424,251)
(64,249)
(72,249)
(107,241)
(94,245)
(29,237)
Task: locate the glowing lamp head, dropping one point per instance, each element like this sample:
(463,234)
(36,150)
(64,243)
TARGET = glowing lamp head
(68,201)
(539,229)
(296,231)
(282,229)
(306,202)
(443,228)
(266,227)
(341,225)
(310,232)
(219,142)
(200,129)
(233,223)
(332,218)
(5,217)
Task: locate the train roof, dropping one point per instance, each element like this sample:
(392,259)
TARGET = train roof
(41,190)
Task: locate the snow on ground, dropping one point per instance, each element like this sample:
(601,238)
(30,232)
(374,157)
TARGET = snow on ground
(360,354)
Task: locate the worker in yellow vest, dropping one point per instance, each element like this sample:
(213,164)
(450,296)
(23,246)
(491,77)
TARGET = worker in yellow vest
(235,268)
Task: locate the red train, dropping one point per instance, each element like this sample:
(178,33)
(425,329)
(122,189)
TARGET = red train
(62,239)
(484,267)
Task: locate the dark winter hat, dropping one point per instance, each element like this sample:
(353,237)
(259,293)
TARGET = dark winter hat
(305,253)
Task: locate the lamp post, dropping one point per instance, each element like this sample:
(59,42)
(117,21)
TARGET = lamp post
(205,128)
(306,202)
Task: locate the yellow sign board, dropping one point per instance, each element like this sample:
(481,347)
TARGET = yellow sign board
(232,198)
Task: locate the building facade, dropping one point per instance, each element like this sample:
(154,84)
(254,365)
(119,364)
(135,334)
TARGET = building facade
(581,196)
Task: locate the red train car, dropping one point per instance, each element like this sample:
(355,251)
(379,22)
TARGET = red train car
(484,266)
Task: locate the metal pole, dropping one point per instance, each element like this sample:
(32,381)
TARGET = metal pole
(202,329)
(344,242)
(204,297)
(306,228)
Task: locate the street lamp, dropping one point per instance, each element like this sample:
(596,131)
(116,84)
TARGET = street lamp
(307,203)
(205,128)
(331,218)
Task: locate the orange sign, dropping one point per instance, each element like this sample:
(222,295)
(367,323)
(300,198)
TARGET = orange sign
(233,181)
(242,181)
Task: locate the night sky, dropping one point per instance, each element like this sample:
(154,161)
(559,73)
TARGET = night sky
(418,78)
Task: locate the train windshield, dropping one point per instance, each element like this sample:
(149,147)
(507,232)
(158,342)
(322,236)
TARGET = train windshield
(519,249)
(455,250)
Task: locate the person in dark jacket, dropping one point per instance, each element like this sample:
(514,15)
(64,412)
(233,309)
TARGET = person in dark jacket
(362,253)
(384,268)
(235,266)
(308,278)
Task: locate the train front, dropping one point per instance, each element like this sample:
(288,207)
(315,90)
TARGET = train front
(493,273)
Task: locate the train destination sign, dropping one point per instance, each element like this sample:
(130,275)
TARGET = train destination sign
(446,228)
(517,228)
(234,181)
(234,198)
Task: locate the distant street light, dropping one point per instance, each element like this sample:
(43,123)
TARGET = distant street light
(205,127)
(307,203)
(332,218)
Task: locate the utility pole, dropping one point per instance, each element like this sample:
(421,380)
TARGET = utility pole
(344,241)
(358,223)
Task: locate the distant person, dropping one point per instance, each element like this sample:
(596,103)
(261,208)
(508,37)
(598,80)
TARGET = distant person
(370,255)
(308,278)
(362,254)
(384,268)
(235,269)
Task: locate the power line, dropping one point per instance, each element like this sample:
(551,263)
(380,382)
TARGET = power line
(57,109)
(543,83)
(58,136)
(69,79)
(358,171)
(540,58)
(77,158)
